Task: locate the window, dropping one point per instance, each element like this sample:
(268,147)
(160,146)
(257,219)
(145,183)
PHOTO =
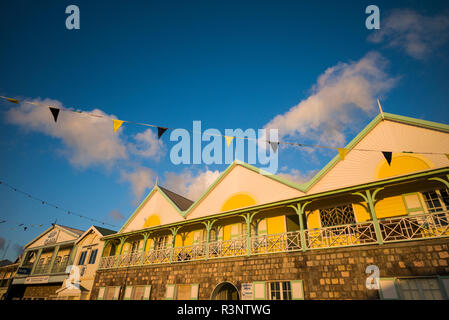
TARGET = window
(82,258)
(160,242)
(420,289)
(111,293)
(337,216)
(279,290)
(432,201)
(412,288)
(181,291)
(93,256)
(137,292)
(437,201)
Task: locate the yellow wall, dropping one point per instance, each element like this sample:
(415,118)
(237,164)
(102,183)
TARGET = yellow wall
(402,164)
(390,207)
(276,225)
(238,200)
(361,211)
(313,219)
(151,221)
(188,239)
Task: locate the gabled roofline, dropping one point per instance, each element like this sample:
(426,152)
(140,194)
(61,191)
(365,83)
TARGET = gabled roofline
(87,232)
(52,227)
(307,197)
(144,201)
(309,184)
(247,166)
(387,116)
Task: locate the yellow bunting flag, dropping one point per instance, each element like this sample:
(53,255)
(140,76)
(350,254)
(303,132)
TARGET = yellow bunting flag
(228,140)
(447,155)
(342,152)
(117,124)
(12,100)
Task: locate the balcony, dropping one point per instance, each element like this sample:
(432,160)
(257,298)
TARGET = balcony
(405,228)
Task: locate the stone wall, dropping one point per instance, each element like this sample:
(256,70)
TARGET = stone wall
(327,274)
(47,291)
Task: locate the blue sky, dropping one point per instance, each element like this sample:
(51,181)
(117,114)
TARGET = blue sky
(230,64)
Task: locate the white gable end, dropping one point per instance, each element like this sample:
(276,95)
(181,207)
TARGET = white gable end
(363,166)
(243,181)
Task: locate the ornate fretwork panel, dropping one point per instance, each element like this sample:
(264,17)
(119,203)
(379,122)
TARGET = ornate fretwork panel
(337,216)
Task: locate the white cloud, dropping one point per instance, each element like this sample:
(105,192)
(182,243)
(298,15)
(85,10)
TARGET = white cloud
(339,92)
(116,215)
(189,184)
(140,179)
(417,34)
(148,145)
(86,140)
(296,175)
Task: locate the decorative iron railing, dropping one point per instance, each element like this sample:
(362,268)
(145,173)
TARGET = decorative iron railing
(59,267)
(341,236)
(415,227)
(228,248)
(432,225)
(161,255)
(107,262)
(186,253)
(130,259)
(280,242)
(42,268)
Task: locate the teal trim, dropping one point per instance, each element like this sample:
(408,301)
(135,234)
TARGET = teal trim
(197,291)
(387,116)
(282,203)
(174,291)
(411,210)
(116,293)
(147,297)
(53,258)
(441,280)
(99,290)
(395,287)
(446,183)
(302,289)
(130,294)
(264,290)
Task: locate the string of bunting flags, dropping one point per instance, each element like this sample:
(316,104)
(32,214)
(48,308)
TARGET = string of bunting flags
(116,124)
(19,225)
(44,202)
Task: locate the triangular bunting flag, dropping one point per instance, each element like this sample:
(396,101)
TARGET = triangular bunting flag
(342,152)
(12,100)
(228,140)
(160,131)
(387,155)
(117,124)
(447,156)
(54,112)
(274,145)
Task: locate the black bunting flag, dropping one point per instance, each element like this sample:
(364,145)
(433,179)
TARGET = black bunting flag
(387,155)
(160,131)
(54,112)
(274,145)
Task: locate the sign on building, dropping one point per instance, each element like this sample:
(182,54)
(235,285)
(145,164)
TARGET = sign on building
(51,237)
(247,291)
(36,280)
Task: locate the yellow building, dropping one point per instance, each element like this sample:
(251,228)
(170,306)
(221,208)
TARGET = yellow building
(252,235)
